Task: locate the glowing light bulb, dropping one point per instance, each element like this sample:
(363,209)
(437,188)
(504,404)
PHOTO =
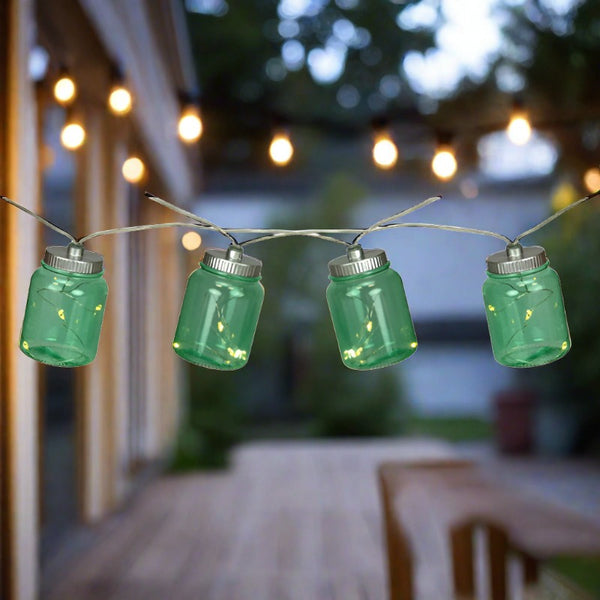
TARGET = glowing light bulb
(65,90)
(281,149)
(120,100)
(444,163)
(190,125)
(72,136)
(591,179)
(519,129)
(133,169)
(385,152)
(191,240)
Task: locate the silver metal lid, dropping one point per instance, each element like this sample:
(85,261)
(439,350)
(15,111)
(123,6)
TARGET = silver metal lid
(232,261)
(74,258)
(516,259)
(357,261)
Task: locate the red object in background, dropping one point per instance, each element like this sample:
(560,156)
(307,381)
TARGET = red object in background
(514,421)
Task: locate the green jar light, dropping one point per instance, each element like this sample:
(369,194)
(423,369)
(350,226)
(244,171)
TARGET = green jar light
(524,308)
(65,307)
(369,310)
(220,310)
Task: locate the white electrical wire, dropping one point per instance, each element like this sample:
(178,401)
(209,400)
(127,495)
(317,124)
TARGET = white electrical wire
(269,234)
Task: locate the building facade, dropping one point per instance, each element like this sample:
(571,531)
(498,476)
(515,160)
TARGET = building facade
(76,442)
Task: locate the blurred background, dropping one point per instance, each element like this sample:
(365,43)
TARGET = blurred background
(144,476)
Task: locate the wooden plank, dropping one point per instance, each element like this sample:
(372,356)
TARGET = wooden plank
(290,521)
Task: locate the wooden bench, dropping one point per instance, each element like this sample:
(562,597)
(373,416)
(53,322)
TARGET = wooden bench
(432,511)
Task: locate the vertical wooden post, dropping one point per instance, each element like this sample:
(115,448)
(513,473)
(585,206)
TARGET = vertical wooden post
(461,542)
(20,390)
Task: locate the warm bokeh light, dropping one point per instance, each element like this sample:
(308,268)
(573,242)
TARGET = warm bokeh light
(281,149)
(385,152)
(120,100)
(444,163)
(591,179)
(519,129)
(133,169)
(65,90)
(72,136)
(191,240)
(563,195)
(190,125)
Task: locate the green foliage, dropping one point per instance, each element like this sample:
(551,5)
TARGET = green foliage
(583,571)
(213,423)
(452,429)
(573,247)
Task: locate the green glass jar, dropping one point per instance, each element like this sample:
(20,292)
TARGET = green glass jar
(65,307)
(524,308)
(220,310)
(369,310)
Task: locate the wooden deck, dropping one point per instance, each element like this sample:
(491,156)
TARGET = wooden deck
(290,521)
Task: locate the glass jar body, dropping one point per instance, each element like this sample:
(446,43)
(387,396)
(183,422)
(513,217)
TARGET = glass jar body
(371,319)
(526,317)
(218,319)
(63,317)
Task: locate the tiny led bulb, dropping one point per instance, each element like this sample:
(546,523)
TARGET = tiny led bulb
(72,136)
(191,240)
(65,90)
(190,125)
(120,100)
(519,129)
(133,169)
(385,152)
(591,179)
(444,163)
(281,149)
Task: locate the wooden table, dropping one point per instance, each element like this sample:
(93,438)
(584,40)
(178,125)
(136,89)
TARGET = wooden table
(453,499)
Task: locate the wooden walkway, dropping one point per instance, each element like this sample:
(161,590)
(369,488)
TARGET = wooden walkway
(290,521)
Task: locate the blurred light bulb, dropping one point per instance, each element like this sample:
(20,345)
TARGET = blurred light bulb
(385,152)
(191,240)
(133,169)
(65,90)
(519,129)
(281,149)
(72,136)
(190,125)
(591,179)
(444,163)
(119,100)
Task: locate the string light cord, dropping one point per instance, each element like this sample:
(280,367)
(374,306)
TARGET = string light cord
(324,234)
(40,218)
(555,216)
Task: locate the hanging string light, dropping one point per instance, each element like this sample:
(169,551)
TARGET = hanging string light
(518,128)
(133,169)
(444,163)
(220,310)
(385,152)
(190,125)
(64,89)
(281,149)
(191,240)
(525,308)
(72,135)
(65,307)
(120,100)
(223,299)
(369,310)
(591,179)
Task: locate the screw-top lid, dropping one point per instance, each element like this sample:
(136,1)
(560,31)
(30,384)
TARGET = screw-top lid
(516,259)
(232,261)
(74,258)
(357,261)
